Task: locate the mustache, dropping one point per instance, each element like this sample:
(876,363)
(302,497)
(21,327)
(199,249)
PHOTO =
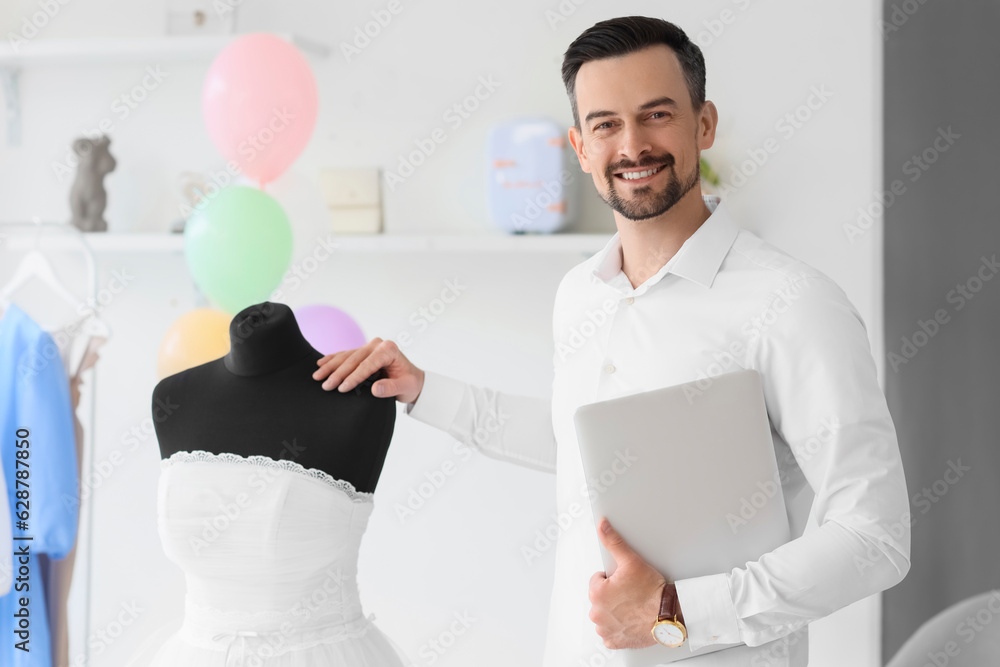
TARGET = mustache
(664,161)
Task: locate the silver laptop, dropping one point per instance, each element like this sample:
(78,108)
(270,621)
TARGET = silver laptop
(701,493)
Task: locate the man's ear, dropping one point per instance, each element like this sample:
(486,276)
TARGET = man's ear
(576,140)
(708,121)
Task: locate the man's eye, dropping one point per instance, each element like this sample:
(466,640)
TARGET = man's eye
(662,113)
(601,126)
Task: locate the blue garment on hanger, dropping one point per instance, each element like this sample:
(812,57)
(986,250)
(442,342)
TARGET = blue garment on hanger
(34,395)
(5,538)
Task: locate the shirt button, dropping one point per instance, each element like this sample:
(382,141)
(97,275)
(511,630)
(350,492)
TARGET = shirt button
(630,301)
(610,368)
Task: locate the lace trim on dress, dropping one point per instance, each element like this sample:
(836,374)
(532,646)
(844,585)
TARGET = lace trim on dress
(267,462)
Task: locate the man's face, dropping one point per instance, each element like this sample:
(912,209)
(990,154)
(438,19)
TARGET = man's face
(636,116)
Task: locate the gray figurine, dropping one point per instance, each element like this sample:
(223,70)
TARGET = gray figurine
(87,196)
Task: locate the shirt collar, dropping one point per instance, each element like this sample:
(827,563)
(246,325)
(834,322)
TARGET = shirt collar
(698,258)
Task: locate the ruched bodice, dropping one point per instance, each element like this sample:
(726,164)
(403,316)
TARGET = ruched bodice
(269,550)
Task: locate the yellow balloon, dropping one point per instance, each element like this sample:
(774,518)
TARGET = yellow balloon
(195,338)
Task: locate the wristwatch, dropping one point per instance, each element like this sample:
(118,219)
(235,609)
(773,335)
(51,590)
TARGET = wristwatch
(667,630)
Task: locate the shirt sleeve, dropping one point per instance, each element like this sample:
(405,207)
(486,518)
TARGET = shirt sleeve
(512,428)
(823,397)
(6,537)
(45,409)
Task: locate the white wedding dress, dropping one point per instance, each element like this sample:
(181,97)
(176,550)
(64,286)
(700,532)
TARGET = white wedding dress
(269,551)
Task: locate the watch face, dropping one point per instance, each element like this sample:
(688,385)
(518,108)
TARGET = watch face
(668,634)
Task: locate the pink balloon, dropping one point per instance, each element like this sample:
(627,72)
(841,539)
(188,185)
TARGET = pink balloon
(259,102)
(329,329)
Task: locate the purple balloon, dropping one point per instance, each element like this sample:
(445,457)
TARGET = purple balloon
(329,329)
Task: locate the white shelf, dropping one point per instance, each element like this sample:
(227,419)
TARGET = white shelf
(143,51)
(375,243)
(114,242)
(146,50)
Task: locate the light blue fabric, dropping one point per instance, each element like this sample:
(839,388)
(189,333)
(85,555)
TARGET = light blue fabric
(34,395)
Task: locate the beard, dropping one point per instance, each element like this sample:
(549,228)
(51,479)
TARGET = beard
(646,202)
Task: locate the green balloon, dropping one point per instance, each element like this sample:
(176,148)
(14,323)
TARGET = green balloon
(238,246)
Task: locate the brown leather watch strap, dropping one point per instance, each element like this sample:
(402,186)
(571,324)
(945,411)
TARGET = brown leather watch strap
(668,602)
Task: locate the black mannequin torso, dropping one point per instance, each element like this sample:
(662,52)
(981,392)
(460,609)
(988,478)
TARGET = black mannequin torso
(261,399)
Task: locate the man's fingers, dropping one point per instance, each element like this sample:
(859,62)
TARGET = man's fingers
(382,355)
(597,578)
(325,367)
(343,366)
(330,363)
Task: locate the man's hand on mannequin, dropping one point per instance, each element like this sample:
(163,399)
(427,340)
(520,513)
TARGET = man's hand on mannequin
(348,368)
(625,605)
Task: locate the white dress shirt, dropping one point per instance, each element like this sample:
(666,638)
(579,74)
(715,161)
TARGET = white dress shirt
(726,301)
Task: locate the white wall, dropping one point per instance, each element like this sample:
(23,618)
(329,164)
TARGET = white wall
(461,552)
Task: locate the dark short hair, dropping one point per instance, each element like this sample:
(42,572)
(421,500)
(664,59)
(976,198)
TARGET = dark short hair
(628,34)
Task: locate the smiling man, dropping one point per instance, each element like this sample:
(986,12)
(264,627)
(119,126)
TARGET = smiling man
(682,293)
(637,89)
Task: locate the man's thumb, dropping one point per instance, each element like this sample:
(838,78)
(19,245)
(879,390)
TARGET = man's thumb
(391,387)
(614,542)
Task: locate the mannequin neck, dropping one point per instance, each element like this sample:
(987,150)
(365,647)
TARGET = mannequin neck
(265,338)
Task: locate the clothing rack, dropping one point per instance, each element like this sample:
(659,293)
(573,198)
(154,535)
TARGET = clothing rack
(12,238)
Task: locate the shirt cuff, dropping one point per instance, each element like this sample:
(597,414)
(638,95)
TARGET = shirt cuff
(438,402)
(709,614)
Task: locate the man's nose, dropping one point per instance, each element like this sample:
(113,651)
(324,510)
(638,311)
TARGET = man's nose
(635,143)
